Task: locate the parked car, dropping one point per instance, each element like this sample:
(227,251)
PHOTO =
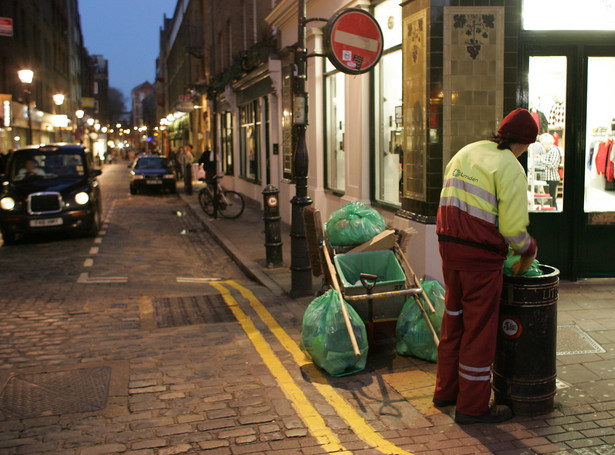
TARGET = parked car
(149,172)
(49,188)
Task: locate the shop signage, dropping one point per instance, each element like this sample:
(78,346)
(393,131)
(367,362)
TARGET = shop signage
(88,102)
(353,41)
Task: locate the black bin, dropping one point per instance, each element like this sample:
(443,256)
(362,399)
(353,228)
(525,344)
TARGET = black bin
(524,370)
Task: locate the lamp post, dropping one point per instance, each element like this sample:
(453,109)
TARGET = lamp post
(26,76)
(79,114)
(301,276)
(58,100)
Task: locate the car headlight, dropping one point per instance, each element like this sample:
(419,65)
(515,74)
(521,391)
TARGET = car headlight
(7,203)
(138,176)
(82,198)
(168,176)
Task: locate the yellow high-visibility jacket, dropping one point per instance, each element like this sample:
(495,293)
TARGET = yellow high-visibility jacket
(483,207)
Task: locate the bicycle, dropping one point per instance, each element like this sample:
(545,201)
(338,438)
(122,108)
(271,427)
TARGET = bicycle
(229,204)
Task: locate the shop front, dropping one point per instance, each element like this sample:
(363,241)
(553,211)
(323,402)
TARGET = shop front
(569,61)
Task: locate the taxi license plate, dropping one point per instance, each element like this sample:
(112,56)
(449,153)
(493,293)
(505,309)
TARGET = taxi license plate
(153,182)
(46,222)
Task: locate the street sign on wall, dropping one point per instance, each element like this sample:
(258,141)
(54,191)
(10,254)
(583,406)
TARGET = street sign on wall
(6,26)
(353,41)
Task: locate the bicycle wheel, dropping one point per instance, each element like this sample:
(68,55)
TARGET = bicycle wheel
(231,204)
(206,201)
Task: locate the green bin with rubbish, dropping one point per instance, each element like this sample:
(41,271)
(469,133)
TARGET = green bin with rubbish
(390,277)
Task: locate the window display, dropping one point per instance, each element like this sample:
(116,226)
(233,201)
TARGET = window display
(250,140)
(388,106)
(600,135)
(335,129)
(545,157)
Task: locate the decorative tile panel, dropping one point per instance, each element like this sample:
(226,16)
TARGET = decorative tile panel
(415,105)
(473,82)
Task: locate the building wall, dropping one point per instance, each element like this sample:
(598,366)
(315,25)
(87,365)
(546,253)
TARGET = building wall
(46,39)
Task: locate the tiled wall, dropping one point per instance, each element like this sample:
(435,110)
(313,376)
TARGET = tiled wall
(479,90)
(473,79)
(414,102)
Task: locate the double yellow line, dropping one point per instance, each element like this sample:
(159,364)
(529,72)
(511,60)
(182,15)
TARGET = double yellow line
(310,416)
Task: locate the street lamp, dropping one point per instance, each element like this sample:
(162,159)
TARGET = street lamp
(26,76)
(58,100)
(79,114)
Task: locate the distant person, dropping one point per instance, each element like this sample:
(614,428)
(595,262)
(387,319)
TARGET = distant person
(208,160)
(551,159)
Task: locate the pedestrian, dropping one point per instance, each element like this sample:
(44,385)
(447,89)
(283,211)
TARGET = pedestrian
(208,160)
(187,159)
(551,159)
(483,210)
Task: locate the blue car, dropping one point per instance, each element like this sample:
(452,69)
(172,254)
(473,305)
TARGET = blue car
(50,188)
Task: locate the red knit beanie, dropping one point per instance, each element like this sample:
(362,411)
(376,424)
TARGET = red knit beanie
(519,126)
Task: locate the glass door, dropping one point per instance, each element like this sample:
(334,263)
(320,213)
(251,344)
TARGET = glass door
(545,158)
(550,95)
(599,194)
(571,167)
(597,230)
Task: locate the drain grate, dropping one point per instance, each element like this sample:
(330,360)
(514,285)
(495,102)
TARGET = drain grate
(61,392)
(202,309)
(572,340)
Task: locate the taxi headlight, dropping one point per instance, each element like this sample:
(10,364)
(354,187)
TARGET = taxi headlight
(7,203)
(82,198)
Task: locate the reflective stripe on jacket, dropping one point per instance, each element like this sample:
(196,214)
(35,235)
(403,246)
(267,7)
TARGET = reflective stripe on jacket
(484,200)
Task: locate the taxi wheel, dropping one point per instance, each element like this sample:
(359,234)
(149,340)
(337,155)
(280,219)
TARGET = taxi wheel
(94,225)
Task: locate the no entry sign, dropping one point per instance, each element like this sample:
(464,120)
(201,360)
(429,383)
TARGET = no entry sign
(353,41)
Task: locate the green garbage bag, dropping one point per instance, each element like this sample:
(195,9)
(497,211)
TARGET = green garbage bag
(353,224)
(534,269)
(325,339)
(413,336)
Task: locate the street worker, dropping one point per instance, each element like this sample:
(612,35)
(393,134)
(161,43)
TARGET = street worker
(483,210)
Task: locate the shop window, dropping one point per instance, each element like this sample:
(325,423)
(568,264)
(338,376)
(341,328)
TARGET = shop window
(545,157)
(388,106)
(600,136)
(250,140)
(335,128)
(226,142)
(289,136)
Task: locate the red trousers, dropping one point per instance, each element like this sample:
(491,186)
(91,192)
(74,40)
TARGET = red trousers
(467,338)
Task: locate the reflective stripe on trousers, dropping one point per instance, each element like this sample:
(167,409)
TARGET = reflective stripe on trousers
(467,338)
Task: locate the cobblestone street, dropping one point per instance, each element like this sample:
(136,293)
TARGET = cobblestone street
(149,339)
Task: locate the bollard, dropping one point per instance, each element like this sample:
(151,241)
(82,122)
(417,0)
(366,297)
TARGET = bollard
(273,240)
(188,178)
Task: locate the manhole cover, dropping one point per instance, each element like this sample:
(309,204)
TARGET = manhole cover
(572,340)
(203,309)
(56,393)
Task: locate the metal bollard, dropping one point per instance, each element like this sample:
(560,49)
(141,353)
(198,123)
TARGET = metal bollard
(188,178)
(273,240)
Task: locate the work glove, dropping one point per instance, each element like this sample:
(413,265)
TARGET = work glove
(523,264)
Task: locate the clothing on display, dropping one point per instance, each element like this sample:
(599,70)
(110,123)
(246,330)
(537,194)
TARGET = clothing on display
(541,120)
(604,163)
(557,116)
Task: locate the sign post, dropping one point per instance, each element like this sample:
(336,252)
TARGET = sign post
(354,41)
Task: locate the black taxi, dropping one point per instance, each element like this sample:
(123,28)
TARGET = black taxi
(49,188)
